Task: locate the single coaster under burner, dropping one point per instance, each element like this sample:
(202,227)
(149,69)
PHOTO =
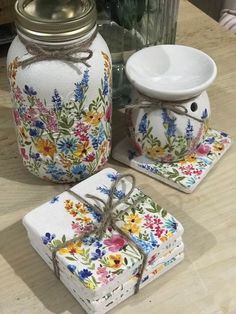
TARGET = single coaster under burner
(183,175)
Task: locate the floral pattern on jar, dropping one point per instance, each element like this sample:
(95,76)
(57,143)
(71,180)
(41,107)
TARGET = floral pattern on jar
(63,141)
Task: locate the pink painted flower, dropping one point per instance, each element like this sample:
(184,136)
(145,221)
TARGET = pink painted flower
(102,271)
(115,243)
(203,149)
(30,115)
(187,170)
(16,117)
(81,131)
(52,124)
(167,158)
(148,221)
(80,229)
(23,153)
(90,157)
(108,113)
(138,148)
(41,107)
(159,231)
(198,172)
(18,94)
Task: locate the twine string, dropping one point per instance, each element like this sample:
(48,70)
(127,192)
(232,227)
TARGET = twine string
(108,219)
(176,107)
(40,52)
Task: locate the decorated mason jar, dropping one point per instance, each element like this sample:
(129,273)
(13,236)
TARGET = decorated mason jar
(59,70)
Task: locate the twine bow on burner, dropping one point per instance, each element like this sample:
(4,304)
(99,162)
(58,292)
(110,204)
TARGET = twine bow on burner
(40,52)
(108,219)
(177,107)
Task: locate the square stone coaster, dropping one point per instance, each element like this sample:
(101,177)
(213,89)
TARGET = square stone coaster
(183,175)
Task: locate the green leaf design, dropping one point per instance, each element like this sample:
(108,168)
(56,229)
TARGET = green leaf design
(155,208)
(70,258)
(56,243)
(63,238)
(163,213)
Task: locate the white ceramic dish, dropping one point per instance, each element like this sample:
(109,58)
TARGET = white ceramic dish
(170,72)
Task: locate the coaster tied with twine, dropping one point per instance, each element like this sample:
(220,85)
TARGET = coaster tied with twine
(176,107)
(108,220)
(69,53)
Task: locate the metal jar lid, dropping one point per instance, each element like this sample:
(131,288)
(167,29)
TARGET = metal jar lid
(55,20)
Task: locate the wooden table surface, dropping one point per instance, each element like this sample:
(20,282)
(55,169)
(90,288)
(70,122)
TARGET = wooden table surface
(206,281)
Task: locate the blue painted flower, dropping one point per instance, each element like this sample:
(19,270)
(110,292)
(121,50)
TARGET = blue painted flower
(169,123)
(224,134)
(146,246)
(97,254)
(79,93)
(79,86)
(96,216)
(105,85)
(71,268)
(113,176)
(118,193)
(28,90)
(78,169)
(33,132)
(56,100)
(97,244)
(154,242)
(48,237)
(39,124)
(67,145)
(54,199)
(143,124)
(85,273)
(210,140)
(189,130)
(35,156)
(131,154)
(96,141)
(55,172)
(204,114)
(171,224)
(85,79)
(89,240)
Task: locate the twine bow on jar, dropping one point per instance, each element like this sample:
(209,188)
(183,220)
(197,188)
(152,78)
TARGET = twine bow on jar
(108,220)
(40,52)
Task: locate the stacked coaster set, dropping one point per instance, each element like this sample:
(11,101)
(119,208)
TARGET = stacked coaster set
(103,271)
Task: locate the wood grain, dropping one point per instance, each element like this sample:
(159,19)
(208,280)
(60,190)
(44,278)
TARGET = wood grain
(206,281)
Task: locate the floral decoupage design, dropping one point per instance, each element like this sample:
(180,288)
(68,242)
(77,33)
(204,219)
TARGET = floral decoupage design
(186,174)
(56,145)
(94,262)
(176,146)
(98,262)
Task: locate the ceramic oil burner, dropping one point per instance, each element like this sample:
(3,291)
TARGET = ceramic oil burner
(59,70)
(169,118)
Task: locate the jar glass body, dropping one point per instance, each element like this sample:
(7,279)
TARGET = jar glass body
(130,25)
(62,112)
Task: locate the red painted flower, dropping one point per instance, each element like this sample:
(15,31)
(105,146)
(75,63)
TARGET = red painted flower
(115,243)
(90,157)
(203,149)
(108,113)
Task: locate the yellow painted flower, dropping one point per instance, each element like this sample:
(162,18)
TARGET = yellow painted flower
(90,284)
(166,236)
(81,208)
(154,152)
(189,158)
(218,147)
(69,204)
(93,117)
(46,147)
(134,218)
(131,227)
(104,147)
(23,133)
(158,269)
(115,261)
(71,248)
(87,220)
(83,150)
